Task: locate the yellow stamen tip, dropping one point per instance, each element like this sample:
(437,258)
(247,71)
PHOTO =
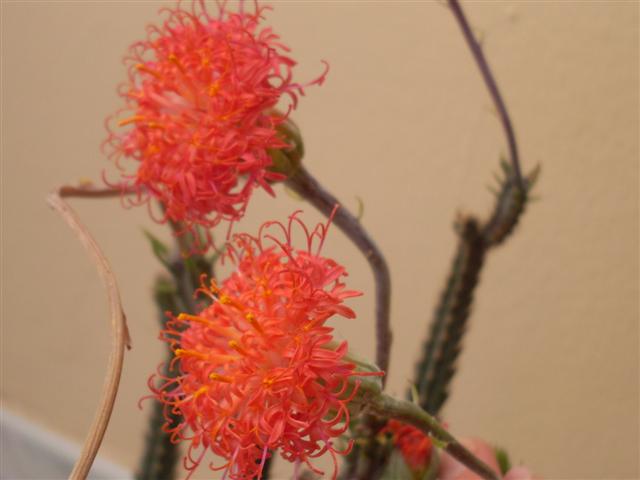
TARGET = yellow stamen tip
(237,347)
(251,318)
(152,150)
(173,59)
(213,89)
(143,68)
(127,121)
(220,378)
(180,352)
(200,391)
(268,381)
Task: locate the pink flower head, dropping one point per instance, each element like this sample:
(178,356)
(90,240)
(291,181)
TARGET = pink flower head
(412,443)
(258,369)
(199,118)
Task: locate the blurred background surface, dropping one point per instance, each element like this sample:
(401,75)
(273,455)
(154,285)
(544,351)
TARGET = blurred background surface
(550,366)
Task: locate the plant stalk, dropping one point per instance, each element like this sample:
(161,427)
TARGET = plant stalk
(492,86)
(410,413)
(303,183)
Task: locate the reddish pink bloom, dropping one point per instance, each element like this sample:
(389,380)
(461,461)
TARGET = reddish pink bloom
(413,444)
(199,117)
(258,371)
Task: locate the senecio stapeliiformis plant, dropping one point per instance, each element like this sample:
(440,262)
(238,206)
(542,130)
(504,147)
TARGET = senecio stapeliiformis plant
(254,370)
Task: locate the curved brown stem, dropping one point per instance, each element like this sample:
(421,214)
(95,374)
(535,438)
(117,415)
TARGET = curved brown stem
(119,331)
(492,86)
(304,184)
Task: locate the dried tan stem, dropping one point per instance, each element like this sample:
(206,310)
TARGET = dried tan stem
(119,331)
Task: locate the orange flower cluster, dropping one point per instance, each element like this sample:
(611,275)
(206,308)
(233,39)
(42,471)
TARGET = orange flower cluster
(258,371)
(199,119)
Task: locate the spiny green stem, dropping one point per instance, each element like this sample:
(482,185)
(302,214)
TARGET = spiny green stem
(187,266)
(173,295)
(438,326)
(436,368)
(434,387)
(511,202)
(160,454)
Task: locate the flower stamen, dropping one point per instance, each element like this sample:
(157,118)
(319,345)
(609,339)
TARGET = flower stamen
(222,331)
(129,120)
(143,68)
(220,378)
(181,353)
(253,321)
(174,59)
(237,347)
(227,300)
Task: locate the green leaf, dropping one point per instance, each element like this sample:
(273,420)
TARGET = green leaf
(397,468)
(441,444)
(360,210)
(434,466)
(503,460)
(213,258)
(160,250)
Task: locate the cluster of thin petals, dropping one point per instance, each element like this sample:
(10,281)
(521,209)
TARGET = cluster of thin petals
(199,119)
(413,444)
(258,370)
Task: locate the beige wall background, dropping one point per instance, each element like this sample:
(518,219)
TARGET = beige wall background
(550,367)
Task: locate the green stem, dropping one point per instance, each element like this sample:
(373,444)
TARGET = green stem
(410,413)
(160,455)
(511,202)
(173,295)
(437,367)
(188,265)
(438,325)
